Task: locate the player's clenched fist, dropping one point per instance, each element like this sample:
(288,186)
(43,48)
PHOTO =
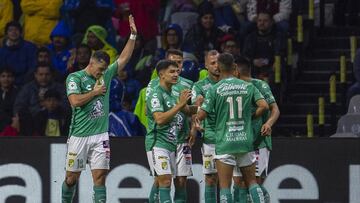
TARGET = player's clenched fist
(99,89)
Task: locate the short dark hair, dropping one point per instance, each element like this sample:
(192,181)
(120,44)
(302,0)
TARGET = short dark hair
(42,65)
(52,93)
(164,64)
(100,55)
(41,50)
(7,69)
(83,46)
(226,61)
(13,24)
(243,64)
(266,13)
(174,52)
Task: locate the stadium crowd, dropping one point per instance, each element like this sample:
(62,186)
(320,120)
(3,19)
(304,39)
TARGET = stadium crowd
(43,42)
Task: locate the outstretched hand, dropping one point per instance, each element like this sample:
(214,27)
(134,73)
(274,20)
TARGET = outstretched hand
(132,25)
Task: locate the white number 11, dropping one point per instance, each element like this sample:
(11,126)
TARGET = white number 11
(231,105)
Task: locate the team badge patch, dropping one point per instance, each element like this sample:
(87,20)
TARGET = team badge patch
(155,103)
(207,164)
(72,85)
(164,165)
(71,163)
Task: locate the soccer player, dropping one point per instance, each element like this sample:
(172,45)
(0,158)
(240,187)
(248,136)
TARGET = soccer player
(184,142)
(262,132)
(208,148)
(88,140)
(166,120)
(231,100)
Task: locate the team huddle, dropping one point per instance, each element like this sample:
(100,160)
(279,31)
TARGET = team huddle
(233,112)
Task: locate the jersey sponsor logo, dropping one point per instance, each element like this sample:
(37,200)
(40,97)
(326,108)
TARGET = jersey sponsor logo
(168,104)
(235,137)
(72,85)
(97,110)
(88,87)
(155,103)
(226,89)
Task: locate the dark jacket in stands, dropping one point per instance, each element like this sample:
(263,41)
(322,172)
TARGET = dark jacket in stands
(7,100)
(42,117)
(28,96)
(21,58)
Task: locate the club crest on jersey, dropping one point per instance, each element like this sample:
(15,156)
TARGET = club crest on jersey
(97,109)
(72,86)
(164,165)
(71,163)
(155,103)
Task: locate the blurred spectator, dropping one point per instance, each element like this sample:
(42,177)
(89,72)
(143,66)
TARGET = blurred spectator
(79,58)
(8,92)
(60,47)
(17,53)
(53,119)
(140,108)
(31,94)
(43,56)
(355,88)
(183,14)
(145,12)
(262,45)
(40,18)
(21,125)
(171,38)
(228,44)
(95,38)
(204,35)
(122,122)
(131,87)
(280,11)
(81,14)
(6,15)
(225,17)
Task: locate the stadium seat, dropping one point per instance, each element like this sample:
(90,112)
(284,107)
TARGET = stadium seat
(349,123)
(185,19)
(354,105)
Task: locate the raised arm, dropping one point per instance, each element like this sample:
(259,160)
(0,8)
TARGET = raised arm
(129,47)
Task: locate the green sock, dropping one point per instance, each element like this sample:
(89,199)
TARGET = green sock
(164,195)
(67,193)
(240,194)
(266,194)
(180,195)
(256,194)
(210,194)
(225,195)
(99,194)
(154,195)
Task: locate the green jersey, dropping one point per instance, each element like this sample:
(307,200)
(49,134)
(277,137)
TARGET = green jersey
(93,117)
(231,100)
(181,85)
(200,88)
(163,136)
(262,141)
